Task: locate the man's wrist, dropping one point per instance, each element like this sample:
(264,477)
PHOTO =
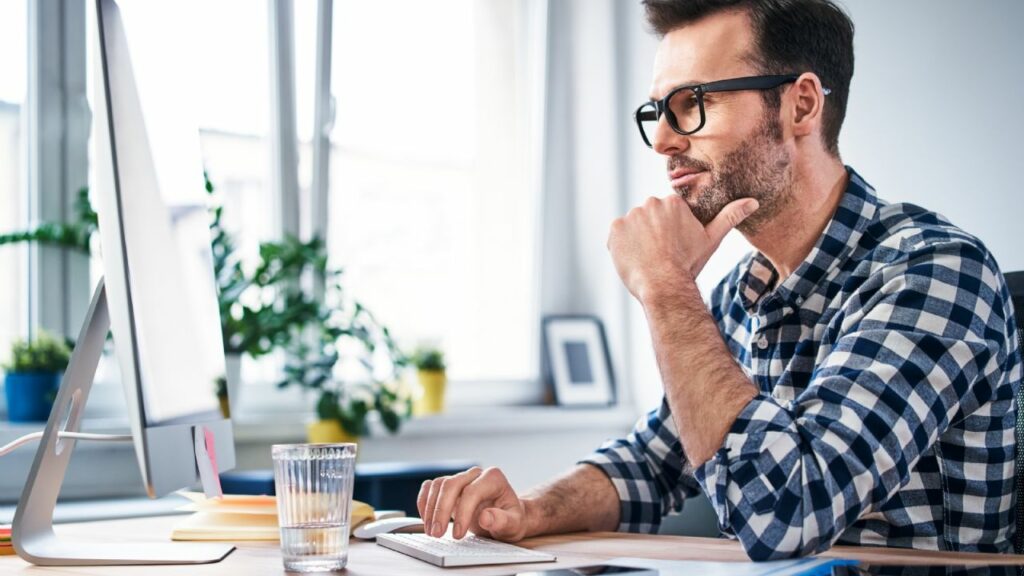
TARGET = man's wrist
(533,517)
(683,292)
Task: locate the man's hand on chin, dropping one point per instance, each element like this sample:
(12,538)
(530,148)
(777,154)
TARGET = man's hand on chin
(661,244)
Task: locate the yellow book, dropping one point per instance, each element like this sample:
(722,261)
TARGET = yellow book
(6,549)
(235,517)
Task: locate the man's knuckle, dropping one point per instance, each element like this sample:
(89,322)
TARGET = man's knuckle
(494,473)
(471,473)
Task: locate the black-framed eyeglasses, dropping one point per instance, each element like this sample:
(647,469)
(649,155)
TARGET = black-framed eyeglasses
(683,107)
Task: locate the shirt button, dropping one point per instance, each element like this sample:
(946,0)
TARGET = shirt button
(762,342)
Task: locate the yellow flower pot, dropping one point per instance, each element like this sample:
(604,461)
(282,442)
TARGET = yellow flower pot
(225,407)
(432,383)
(328,432)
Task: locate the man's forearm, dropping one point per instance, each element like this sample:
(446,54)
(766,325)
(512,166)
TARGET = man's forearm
(704,387)
(582,499)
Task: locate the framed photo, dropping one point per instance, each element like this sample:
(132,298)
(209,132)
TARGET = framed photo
(576,361)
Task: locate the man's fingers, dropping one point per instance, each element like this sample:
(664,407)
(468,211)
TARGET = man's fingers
(448,494)
(730,217)
(483,490)
(427,514)
(421,499)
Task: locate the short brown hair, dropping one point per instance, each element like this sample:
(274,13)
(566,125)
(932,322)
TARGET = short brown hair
(792,36)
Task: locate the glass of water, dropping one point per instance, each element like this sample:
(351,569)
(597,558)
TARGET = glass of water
(314,502)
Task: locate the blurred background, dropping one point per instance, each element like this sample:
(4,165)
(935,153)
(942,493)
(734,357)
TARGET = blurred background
(459,163)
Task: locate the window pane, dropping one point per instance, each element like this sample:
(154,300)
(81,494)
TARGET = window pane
(432,213)
(13,63)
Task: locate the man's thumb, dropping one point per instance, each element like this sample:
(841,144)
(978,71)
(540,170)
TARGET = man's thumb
(494,520)
(730,217)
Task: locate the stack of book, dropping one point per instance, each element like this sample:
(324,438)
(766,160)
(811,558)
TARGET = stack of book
(5,540)
(237,517)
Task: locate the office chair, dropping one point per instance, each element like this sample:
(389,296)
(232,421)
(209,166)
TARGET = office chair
(1015,281)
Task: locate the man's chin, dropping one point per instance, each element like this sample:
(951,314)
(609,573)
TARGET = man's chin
(687,193)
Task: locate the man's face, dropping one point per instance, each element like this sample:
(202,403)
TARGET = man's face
(739,153)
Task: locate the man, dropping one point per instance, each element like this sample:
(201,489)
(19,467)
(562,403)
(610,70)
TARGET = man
(853,380)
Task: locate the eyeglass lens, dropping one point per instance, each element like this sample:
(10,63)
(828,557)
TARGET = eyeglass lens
(683,107)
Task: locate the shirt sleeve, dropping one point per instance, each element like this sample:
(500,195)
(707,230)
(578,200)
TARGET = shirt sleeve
(649,471)
(922,344)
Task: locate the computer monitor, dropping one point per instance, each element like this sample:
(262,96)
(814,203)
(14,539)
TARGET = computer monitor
(158,297)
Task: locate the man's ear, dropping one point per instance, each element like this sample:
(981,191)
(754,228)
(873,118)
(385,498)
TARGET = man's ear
(806,101)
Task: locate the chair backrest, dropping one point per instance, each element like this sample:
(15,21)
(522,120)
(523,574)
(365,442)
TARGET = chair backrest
(1015,281)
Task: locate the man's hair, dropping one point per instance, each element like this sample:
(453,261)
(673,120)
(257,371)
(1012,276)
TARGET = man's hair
(791,36)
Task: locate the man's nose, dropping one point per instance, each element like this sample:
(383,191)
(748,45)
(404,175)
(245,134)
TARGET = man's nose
(667,141)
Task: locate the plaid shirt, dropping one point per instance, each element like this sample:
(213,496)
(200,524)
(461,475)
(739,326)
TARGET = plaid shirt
(887,365)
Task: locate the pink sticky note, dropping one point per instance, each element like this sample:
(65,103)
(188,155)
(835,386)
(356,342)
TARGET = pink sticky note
(211,449)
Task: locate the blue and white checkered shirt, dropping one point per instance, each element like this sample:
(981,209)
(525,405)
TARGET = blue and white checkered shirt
(887,365)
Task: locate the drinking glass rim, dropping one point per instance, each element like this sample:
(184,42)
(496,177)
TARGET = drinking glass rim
(348,448)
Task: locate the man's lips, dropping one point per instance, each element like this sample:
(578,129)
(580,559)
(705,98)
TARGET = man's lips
(684,177)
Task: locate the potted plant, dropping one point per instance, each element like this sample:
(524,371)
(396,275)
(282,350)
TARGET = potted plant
(260,308)
(264,308)
(33,377)
(249,325)
(75,234)
(430,372)
(351,362)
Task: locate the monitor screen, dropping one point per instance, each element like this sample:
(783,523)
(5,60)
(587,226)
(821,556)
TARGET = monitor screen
(157,261)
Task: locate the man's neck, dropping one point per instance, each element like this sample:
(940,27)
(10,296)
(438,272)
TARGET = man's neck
(788,238)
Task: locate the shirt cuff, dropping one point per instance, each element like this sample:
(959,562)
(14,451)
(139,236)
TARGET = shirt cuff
(733,477)
(639,501)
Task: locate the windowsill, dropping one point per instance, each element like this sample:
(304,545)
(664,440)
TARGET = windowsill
(461,420)
(480,421)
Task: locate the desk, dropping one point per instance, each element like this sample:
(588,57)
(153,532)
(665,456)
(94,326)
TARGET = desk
(368,559)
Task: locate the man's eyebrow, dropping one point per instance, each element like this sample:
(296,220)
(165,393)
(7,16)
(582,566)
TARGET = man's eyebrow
(679,85)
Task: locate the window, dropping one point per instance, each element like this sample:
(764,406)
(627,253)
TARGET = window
(433,208)
(433,214)
(13,81)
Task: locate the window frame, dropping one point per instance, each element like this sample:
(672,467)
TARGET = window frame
(57,153)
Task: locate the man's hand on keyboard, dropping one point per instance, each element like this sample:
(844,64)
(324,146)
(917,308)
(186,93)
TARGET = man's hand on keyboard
(481,501)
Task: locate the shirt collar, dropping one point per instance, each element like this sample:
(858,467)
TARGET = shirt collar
(857,208)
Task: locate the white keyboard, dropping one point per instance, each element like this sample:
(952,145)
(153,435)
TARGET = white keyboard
(470,551)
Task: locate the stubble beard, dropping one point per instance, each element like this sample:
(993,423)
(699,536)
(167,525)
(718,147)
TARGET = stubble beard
(758,168)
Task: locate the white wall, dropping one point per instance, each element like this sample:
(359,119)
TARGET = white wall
(937,111)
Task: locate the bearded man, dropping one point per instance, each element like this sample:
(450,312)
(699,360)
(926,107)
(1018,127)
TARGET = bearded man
(852,380)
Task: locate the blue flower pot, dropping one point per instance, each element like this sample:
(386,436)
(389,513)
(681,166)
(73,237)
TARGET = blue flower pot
(30,395)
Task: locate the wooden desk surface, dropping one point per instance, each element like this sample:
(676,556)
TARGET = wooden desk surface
(368,559)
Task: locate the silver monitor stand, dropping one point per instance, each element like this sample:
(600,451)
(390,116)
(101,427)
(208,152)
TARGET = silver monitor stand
(33,536)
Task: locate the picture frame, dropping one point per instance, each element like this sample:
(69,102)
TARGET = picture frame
(577,364)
